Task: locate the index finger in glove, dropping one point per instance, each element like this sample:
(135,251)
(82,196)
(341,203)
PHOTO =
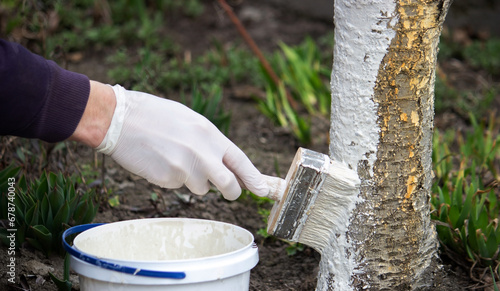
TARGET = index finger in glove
(245,171)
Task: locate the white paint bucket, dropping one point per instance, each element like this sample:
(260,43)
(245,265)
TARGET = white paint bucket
(162,254)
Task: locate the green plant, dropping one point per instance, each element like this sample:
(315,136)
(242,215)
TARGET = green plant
(465,204)
(463,102)
(263,210)
(264,213)
(31,155)
(44,208)
(305,74)
(482,145)
(484,55)
(478,54)
(448,47)
(141,72)
(65,25)
(208,104)
(469,226)
(7,187)
(191,8)
(163,69)
(495,285)
(63,284)
(481,54)
(236,64)
(293,248)
(301,70)
(68,26)
(277,108)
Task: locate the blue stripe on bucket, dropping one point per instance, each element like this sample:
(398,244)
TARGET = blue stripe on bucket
(108,265)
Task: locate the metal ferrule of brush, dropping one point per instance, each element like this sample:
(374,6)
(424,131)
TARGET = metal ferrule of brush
(304,179)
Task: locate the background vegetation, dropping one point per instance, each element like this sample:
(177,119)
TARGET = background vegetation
(465,199)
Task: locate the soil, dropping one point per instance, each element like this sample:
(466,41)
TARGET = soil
(270,148)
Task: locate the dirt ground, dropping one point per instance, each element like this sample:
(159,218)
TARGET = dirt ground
(268,146)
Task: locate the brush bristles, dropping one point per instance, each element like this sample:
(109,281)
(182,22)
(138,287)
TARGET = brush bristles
(330,213)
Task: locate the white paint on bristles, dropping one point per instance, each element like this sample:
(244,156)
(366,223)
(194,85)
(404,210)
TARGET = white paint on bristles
(362,39)
(330,211)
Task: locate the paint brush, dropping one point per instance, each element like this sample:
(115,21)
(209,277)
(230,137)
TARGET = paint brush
(313,201)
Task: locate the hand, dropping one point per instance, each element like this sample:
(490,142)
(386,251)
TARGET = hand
(170,145)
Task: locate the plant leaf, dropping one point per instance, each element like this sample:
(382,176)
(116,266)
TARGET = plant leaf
(62,217)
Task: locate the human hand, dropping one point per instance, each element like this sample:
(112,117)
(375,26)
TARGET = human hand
(170,145)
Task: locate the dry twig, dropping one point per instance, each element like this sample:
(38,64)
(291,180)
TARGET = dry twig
(255,49)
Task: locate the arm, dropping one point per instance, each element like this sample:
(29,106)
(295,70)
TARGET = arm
(38,98)
(158,139)
(97,116)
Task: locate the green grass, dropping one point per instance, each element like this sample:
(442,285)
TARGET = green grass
(164,69)
(465,192)
(484,55)
(302,71)
(462,102)
(480,56)
(305,77)
(70,26)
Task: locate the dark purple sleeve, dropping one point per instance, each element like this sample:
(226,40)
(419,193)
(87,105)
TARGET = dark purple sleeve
(38,99)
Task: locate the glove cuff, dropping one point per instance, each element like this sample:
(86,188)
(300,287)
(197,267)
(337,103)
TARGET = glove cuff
(109,142)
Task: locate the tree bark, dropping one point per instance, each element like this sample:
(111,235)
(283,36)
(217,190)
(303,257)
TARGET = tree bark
(381,126)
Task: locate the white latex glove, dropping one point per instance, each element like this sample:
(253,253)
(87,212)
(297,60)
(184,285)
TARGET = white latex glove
(171,145)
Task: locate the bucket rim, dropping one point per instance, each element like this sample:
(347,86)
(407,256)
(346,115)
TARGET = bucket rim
(251,243)
(156,269)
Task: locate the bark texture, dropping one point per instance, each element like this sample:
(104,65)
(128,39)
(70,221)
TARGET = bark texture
(390,243)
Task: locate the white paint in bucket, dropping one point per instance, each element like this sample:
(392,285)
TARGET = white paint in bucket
(213,255)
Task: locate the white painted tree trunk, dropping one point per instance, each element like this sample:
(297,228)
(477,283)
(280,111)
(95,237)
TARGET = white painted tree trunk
(381,126)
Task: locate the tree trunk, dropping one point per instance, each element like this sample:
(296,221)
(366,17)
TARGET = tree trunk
(382,122)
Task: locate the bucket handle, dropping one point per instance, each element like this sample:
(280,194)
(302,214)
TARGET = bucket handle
(108,265)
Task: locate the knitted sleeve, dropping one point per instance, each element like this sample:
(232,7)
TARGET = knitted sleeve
(38,99)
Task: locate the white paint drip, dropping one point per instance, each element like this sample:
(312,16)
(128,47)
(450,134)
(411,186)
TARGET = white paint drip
(361,41)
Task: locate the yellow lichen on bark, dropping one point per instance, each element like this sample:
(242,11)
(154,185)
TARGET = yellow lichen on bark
(403,92)
(415,119)
(404,81)
(410,186)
